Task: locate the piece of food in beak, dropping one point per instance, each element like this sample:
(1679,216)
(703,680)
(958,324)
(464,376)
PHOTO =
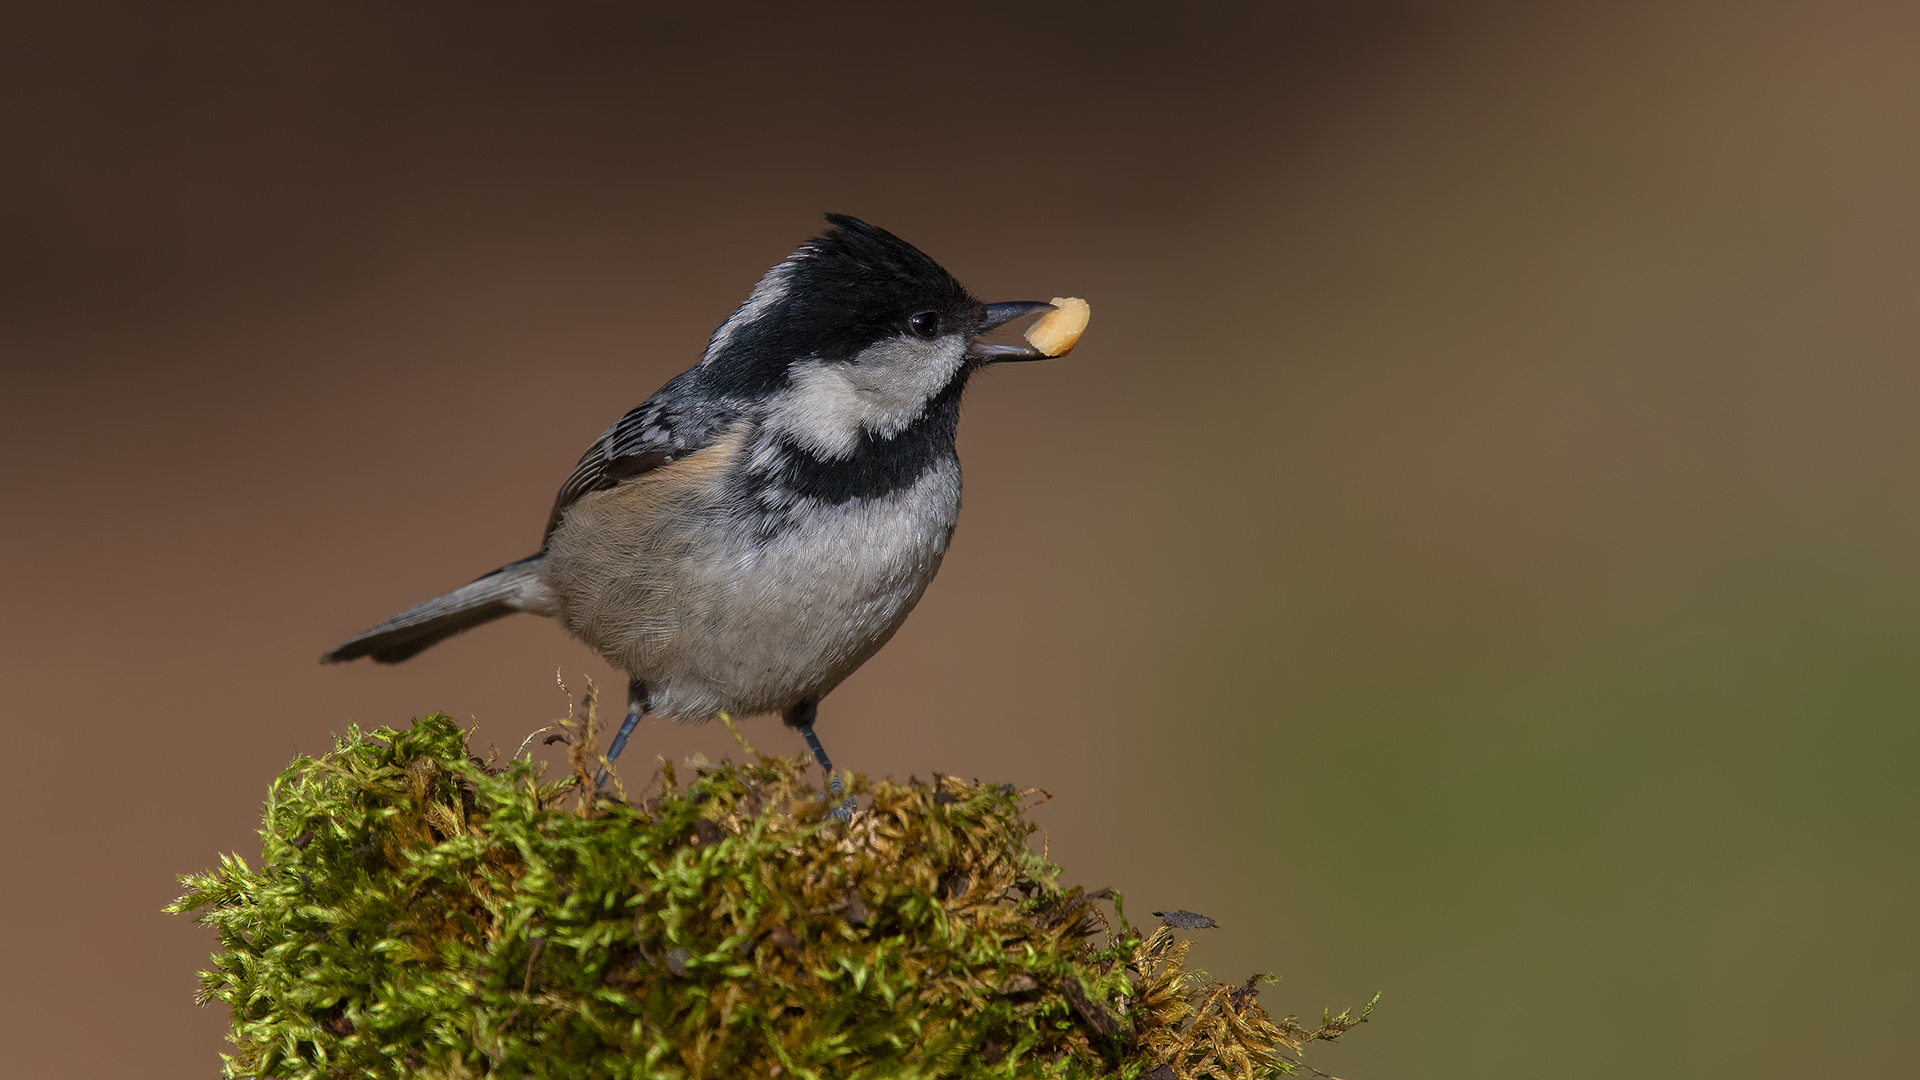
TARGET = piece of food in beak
(1056,333)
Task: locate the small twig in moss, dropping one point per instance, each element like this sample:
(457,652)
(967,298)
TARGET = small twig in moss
(734,730)
(536,733)
(1298,1064)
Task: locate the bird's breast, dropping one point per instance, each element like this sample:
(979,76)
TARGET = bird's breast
(829,561)
(731,600)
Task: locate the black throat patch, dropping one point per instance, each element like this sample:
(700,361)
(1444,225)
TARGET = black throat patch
(877,467)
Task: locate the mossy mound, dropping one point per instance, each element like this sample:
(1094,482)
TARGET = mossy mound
(422,912)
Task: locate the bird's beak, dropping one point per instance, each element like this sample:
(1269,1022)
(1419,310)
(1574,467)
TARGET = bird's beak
(999,315)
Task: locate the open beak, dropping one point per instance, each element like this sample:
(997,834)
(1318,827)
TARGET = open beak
(999,315)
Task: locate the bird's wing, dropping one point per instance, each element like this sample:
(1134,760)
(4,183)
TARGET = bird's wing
(668,426)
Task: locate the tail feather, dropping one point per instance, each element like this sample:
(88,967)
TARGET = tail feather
(511,588)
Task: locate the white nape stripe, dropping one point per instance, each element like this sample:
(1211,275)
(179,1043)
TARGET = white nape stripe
(770,291)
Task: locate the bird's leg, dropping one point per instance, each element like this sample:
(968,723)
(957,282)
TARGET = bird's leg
(636,708)
(801,716)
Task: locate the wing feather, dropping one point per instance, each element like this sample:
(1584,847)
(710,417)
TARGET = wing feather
(668,426)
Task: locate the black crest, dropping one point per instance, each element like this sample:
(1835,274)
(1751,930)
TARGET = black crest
(860,275)
(844,290)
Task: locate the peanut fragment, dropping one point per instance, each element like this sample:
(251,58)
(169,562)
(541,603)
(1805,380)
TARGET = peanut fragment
(1057,331)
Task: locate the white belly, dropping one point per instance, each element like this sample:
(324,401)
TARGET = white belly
(711,618)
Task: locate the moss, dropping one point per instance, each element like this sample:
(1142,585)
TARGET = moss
(424,912)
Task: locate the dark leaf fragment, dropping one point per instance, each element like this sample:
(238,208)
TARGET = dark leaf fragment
(954,884)
(1092,1012)
(856,912)
(1186,920)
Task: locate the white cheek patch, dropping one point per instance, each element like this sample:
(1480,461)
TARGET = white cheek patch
(820,409)
(827,406)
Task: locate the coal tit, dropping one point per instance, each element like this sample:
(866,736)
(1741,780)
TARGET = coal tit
(757,529)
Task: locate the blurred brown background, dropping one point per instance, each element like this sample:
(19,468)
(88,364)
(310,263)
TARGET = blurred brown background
(1472,555)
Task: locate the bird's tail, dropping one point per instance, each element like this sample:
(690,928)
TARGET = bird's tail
(514,587)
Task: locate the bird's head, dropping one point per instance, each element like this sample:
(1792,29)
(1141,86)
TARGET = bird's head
(857,334)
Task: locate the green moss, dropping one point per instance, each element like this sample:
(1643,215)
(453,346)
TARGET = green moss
(423,912)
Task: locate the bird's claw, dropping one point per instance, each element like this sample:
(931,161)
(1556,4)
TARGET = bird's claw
(843,810)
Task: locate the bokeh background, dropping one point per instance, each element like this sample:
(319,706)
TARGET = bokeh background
(1474,554)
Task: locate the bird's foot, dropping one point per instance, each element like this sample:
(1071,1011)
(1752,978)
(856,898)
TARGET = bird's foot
(843,810)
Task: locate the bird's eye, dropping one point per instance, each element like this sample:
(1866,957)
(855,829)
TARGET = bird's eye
(926,325)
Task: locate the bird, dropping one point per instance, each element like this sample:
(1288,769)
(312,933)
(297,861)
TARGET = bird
(755,531)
